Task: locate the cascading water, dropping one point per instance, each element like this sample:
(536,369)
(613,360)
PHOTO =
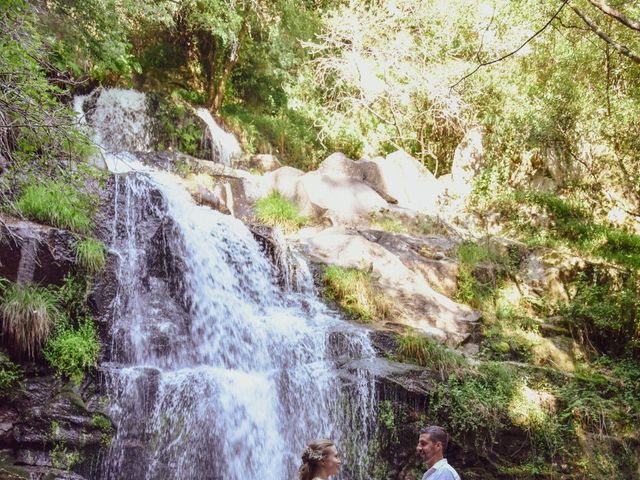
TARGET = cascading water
(215,370)
(224,145)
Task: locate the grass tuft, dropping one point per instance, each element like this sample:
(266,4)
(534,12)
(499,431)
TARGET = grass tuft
(275,210)
(389,225)
(57,204)
(28,314)
(428,353)
(354,292)
(90,255)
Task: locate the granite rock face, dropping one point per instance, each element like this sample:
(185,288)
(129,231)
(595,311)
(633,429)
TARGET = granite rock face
(49,427)
(34,253)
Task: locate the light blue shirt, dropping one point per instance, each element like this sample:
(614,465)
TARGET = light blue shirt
(441,470)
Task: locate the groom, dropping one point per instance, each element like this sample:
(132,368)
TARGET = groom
(431,447)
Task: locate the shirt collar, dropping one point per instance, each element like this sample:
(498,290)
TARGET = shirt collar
(440,463)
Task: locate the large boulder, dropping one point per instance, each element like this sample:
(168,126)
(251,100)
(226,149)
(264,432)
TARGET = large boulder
(428,257)
(425,308)
(333,191)
(403,178)
(283,180)
(347,199)
(34,253)
(549,273)
(264,162)
(338,165)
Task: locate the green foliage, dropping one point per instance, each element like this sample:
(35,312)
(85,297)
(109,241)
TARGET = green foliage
(275,210)
(92,39)
(602,403)
(28,313)
(73,351)
(389,225)
(481,270)
(90,255)
(176,126)
(290,134)
(552,221)
(474,403)
(56,203)
(608,314)
(38,135)
(63,459)
(431,354)
(354,292)
(105,426)
(72,296)
(10,376)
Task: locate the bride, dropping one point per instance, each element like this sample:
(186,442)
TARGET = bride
(320,460)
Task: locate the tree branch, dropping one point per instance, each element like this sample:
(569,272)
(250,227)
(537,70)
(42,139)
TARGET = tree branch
(484,64)
(598,31)
(620,17)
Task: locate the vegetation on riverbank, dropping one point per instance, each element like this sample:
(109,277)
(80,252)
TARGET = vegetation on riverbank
(275,210)
(53,323)
(303,80)
(354,291)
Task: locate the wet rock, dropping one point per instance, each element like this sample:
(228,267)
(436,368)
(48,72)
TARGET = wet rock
(34,253)
(47,415)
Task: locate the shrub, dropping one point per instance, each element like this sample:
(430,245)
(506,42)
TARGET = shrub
(429,353)
(10,375)
(90,255)
(474,402)
(551,221)
(471,289)
(63,459)
(292,135)
(72,296)
(354,292)
(105,426)
(28,314)
(609,316)
(275,210)
(72,352)
(56,203)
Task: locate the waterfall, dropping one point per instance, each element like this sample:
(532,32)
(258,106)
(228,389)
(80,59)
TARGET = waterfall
(215,370)
(118,123)
(224,145)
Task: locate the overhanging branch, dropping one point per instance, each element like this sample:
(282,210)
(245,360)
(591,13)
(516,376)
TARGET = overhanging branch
(598,31)
(619,16)
(484,64)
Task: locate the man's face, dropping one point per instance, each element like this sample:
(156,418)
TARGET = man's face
(426,448)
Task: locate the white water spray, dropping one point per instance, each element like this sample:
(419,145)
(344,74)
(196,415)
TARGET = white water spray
(224,145)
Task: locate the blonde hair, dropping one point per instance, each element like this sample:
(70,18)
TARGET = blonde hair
(311,456)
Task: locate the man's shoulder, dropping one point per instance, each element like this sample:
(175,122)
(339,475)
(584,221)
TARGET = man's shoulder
(447,472)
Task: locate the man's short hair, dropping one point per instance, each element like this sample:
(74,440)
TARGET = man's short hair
(437,434)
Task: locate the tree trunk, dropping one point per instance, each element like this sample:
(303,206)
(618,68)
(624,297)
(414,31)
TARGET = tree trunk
(217,87)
